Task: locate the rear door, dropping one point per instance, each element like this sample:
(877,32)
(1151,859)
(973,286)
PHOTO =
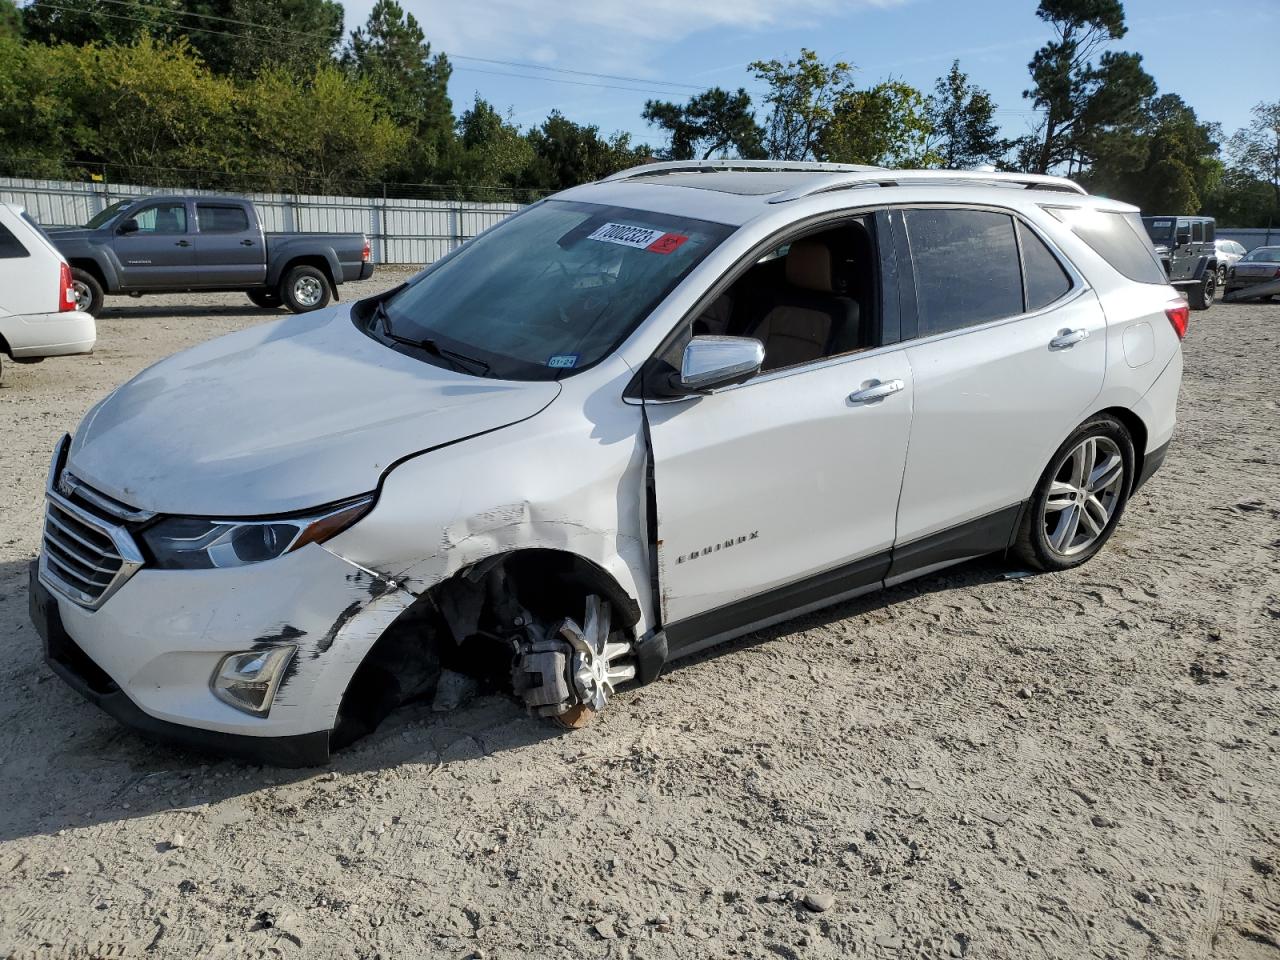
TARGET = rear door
(161,252)
(1009,351)
(229,247)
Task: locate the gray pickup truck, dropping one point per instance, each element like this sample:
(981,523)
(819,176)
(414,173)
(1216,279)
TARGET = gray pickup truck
(171,244)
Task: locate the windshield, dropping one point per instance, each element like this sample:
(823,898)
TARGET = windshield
(107,215)
(1159,229)
(1264,255)
(552,290)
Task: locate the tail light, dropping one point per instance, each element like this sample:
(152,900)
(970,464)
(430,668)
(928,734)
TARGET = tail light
(1179,314)
(66,292)
(367,252)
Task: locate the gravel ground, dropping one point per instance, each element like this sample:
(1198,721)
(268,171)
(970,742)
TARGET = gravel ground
(1071,765)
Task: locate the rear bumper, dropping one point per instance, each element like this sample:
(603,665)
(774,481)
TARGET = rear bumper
(84,676)
(366,271)
(49,334)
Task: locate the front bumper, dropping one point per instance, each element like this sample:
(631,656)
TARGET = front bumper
(147,654)
(84,676)
(1237,289)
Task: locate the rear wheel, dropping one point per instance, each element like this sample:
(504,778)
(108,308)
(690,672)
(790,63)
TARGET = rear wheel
(1201,295)
(88,291)
(305,288)
(1080,497)
(266,299)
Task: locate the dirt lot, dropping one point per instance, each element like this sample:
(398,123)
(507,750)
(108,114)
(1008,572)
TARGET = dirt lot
(1078,765)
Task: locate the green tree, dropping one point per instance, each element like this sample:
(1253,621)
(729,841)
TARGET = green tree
(803,96)
(242,37)
(1255,150)
(886,125)
(489,151)
(1085,96)
(10,19)
(962,116)
(1167,163)
(714,121)
(392,54)
(320,133)
(98,21)
(40,129)
(1241,200)
(567,153)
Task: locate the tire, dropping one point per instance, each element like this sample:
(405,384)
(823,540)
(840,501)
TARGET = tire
(1222,275)
(266,299)
(1048,538)
(304,288)
(1201,296)
(88,290)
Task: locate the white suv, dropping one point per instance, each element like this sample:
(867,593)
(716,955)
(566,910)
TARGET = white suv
(38,315)
(634,420)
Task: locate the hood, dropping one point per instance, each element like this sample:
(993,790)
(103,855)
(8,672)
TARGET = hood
(282,417)
(68,233)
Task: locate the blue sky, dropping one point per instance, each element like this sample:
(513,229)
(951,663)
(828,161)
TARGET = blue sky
(1219,57)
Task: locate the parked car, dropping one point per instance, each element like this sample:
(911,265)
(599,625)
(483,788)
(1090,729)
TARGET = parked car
(1255,276)
(174,244)
(628,423)
(1186,248)
(38,315)
(1229,251)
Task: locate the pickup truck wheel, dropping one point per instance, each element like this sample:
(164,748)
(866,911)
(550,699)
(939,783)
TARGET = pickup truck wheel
(305,288)
(1201,295)
(265,299)
(88,291)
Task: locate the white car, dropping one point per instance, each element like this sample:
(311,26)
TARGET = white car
(38,315)
(634,420)
(1229,252)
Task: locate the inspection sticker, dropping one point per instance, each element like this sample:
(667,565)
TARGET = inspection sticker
(563,361)
(641,238)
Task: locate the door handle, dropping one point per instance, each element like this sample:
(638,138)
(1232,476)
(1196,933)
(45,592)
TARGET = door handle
(246,243)
(876,390)
(183,243)
(1068,338)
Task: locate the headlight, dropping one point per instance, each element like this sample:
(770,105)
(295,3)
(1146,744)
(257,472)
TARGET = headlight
(194,543)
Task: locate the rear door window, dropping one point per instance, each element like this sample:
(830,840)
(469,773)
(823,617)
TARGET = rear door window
(221,219)
(11,247)
(967,268)
(1117,238)
(1197,231)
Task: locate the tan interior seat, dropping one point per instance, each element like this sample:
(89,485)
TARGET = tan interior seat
(807,316)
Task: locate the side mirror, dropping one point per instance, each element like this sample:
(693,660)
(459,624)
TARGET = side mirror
(129,226)
(711,362)
(1184,238)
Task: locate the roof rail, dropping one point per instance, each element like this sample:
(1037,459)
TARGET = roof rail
(754,166)
(896,178)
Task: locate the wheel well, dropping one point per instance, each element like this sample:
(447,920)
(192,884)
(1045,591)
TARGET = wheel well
(90,267)
(1137,431)
(463,624)
(320,263)
(4,346)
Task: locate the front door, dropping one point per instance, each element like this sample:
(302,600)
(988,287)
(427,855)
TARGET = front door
(777,494)
(160,253)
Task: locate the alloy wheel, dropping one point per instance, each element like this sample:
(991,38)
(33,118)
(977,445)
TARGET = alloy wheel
(83,297)
(307,291)
(1084,496)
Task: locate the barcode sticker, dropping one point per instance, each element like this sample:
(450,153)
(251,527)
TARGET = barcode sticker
(639,238)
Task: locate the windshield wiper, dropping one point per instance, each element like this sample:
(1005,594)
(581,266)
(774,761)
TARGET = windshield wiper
(460,361)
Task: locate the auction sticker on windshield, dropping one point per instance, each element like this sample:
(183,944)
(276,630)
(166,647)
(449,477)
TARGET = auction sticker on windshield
(640,238)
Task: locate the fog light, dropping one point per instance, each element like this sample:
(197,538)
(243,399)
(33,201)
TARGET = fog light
(248,681)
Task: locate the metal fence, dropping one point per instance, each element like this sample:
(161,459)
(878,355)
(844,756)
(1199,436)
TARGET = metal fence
(400,230)
(1250,237)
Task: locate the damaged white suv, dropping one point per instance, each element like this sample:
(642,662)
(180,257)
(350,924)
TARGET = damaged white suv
(634,420)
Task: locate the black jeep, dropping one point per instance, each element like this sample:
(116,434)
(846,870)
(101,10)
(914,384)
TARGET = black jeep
(1185,246)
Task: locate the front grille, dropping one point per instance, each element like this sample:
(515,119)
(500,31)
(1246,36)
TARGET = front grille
(86,557)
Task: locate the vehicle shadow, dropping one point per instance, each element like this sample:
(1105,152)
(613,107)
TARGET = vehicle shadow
(68,765)
(162,310)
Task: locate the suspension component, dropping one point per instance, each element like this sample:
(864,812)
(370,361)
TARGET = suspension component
(570,671)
